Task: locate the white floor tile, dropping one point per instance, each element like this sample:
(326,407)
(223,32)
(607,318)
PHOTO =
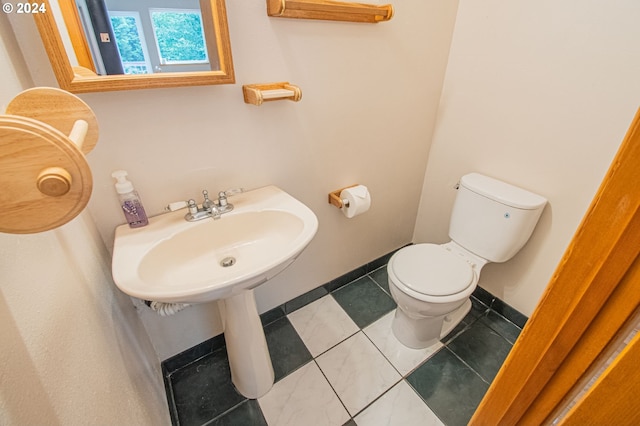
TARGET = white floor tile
(403,358)
(322,324)
(357,371)
(400,406)
(303,398)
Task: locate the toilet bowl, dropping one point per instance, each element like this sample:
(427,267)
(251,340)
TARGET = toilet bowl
(431,284)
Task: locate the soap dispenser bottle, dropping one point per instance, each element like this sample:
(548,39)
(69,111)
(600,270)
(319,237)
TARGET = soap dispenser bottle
(130,200)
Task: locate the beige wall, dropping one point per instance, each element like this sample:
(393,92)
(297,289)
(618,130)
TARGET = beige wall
(370,94)
(73,349)
(539,95)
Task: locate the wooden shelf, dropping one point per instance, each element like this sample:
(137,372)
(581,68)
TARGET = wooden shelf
(329,10)
(256,94)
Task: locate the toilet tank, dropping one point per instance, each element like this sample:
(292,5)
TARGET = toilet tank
(493,219)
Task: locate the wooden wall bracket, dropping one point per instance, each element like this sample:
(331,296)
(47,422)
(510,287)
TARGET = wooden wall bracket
(330,10)
(256,94)
(334,196)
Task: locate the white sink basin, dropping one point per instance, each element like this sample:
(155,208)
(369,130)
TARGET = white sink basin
(172,260)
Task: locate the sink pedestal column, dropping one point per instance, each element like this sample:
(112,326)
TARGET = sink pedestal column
(249,360)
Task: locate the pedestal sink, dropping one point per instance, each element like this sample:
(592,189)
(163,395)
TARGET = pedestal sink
(172,260)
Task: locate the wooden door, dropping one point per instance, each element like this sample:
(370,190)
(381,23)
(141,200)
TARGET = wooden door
(591,298)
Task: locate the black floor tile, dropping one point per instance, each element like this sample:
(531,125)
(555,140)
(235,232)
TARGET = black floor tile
(482,349)
(364,301)
(288,352)
(381,277)
(247,414)
(203,390)
(450,388)
(500,325)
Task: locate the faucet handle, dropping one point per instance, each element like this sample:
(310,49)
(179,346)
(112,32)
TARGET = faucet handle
(222,195)
(191,204)
(172,207)
(230,192)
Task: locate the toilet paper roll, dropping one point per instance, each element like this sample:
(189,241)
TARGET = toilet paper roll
(356,200)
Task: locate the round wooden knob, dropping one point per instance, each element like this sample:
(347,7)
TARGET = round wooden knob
(54,181)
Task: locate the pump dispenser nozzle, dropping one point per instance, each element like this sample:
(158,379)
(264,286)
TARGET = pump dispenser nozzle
(123,185)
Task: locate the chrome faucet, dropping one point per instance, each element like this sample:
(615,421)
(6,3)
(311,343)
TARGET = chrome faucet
(209,208)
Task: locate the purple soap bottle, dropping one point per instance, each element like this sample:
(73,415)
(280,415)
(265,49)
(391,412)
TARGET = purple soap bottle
(130,201)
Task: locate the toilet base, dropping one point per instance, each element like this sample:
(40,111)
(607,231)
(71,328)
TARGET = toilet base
(424,332)
(454,318)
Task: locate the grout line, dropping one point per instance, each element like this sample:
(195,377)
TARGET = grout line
(378,349)
(506,319)
(423,400)
(465,363)
(346,338)
(388,293)
(378,397)
(332,388)
(224,413)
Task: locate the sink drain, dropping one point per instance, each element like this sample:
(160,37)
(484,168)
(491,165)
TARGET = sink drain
(228,261)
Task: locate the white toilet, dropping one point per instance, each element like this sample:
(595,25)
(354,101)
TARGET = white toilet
(490,222)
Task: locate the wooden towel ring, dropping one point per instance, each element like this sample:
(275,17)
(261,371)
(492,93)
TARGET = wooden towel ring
(45,178)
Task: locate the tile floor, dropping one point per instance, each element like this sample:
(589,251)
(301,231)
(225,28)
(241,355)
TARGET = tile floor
(337,362)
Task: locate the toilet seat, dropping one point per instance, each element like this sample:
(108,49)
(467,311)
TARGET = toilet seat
(431,270)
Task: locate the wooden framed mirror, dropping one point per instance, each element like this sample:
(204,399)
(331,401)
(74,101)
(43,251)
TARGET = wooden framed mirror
(79,64)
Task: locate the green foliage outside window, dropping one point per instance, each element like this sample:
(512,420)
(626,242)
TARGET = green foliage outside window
(127,38)
(179,36)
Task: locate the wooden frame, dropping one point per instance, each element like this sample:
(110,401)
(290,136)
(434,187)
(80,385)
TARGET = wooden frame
(78,40)
(83,79)
(329,10)
(592,295)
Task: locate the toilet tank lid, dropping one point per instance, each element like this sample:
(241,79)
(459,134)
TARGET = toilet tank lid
(502,192)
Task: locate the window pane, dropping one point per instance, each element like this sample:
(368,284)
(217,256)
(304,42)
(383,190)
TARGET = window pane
(131,68)
(179,36)
(128,40)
